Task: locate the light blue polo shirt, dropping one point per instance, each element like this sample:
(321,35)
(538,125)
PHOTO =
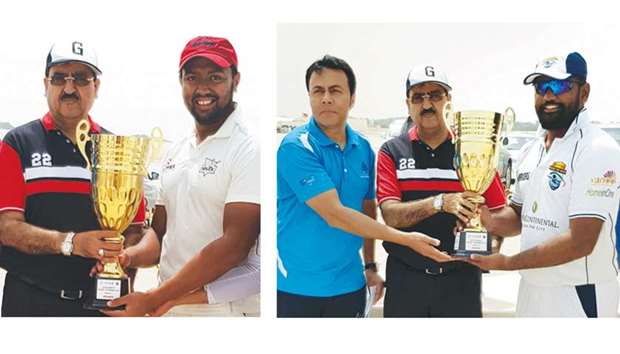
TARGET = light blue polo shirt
(315,259)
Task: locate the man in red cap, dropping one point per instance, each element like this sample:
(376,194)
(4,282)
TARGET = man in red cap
(206,224)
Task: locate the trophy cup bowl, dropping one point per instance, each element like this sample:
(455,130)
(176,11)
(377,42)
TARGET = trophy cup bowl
(478,139)
(118,171)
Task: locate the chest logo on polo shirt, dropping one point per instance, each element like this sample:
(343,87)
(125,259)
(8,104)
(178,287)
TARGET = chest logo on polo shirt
(534,207)
(557,171)
(209,167)
(308,181)
(365,172)
(169,165)
(40,159)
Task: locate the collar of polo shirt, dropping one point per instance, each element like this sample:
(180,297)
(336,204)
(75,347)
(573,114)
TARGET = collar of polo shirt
(324,140)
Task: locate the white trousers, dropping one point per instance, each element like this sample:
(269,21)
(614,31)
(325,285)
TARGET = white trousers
(564,301)
(247,307)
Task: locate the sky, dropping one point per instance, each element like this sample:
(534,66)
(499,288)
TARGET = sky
(485,62)
(139,57)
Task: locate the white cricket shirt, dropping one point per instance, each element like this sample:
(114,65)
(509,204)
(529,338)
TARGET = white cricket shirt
(577,177)
(197,181)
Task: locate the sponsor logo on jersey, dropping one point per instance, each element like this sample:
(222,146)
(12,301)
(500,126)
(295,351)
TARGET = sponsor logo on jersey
(608,179)
(523,177)
(600,193)
(557,171)
(539,224)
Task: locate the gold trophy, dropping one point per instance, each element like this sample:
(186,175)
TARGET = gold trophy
(478,139)
(118,171)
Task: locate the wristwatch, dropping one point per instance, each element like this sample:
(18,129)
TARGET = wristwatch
(67,245)
(371,265)
(438,202)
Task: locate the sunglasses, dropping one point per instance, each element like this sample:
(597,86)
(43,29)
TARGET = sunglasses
(434,96)
(79,79)
(557,87)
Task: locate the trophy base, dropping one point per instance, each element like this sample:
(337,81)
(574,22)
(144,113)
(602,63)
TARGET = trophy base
(104,289)
(468,242)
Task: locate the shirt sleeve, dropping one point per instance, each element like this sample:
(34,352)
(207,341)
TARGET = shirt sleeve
(300,167)
(371,195)
(387,182)
(141,214)
(245,173)
(595,181)
(12,183)
(494,196)
(161,195)
(516,197)
(236,284)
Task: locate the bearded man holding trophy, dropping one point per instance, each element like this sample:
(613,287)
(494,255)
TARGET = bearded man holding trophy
(424,184)
(50,233)
(206,224)
(565,203)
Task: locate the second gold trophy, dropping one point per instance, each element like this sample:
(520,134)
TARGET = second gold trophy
(478,139)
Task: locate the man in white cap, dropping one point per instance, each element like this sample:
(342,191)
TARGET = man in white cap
(418,190)
(49,232)
(565,203)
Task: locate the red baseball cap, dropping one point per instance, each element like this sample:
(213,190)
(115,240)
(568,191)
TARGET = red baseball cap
(218,50)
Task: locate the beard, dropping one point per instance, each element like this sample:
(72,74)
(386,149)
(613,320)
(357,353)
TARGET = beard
(218,113)
(560,119)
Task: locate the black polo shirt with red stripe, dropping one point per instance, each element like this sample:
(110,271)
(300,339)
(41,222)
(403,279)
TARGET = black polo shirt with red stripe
(408,170)
(43,175)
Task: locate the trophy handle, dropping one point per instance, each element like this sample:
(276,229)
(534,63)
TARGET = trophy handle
(448,116)
(155,144)
(82,137)
(508,119)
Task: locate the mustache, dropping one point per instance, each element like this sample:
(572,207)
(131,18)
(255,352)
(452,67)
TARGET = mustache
(547,104)
(429,110)
(69,96)
(215,97)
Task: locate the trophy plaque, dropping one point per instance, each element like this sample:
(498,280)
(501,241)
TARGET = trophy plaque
(477,143)
(118,165)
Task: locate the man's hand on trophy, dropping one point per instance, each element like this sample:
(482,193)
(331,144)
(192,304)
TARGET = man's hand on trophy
(123,259)
(137,304)
(459,205)
(495,261)
(92,244)
(427,246)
